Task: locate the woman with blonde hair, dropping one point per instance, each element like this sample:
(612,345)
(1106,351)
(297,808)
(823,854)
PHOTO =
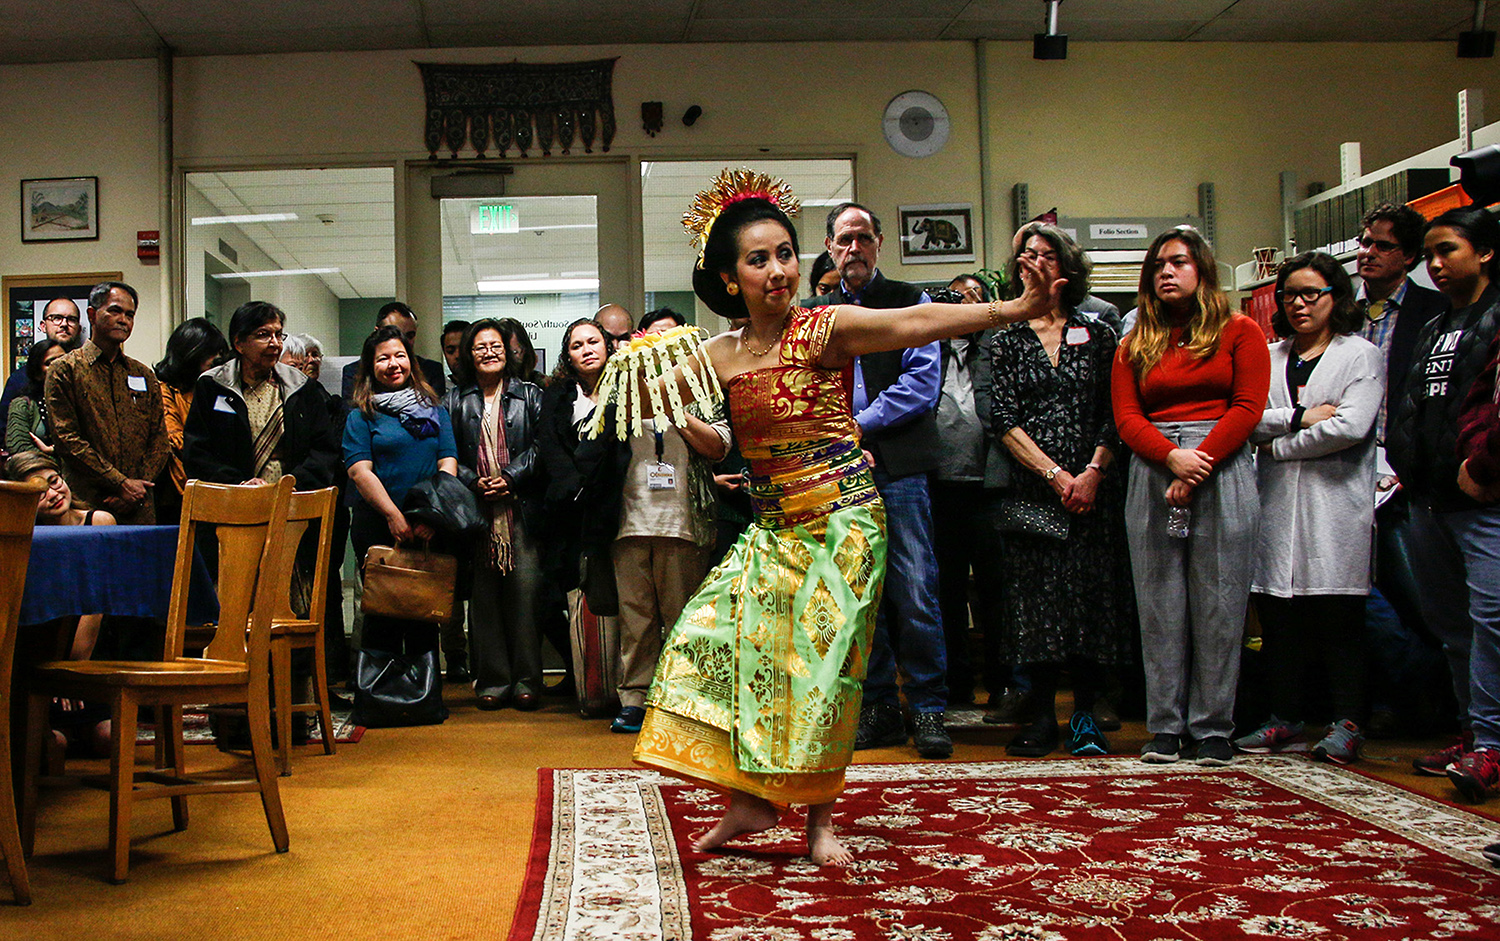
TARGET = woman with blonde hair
(1189,386)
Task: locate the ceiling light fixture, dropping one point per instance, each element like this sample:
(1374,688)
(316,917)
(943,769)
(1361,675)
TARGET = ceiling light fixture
(1051,44)
(275,273)
(245,219)
(541,286)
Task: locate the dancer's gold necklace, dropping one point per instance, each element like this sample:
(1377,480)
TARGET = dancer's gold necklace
(774,340)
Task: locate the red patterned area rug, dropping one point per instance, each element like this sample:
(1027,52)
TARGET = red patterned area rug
(1019,851)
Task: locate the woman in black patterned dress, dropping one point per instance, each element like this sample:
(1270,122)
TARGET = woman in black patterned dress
(1068,600)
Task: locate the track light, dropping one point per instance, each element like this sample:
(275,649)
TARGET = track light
(1051,44)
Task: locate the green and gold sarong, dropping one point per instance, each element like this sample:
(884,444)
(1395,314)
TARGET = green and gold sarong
(759,683)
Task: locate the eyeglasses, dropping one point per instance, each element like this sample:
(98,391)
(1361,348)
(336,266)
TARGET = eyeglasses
(53,480)
(1308,296)
(498,348)
(1380,245)
(61,319)
(1032,255)
(266,336)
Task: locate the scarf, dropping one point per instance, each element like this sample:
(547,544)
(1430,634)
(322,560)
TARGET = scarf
(263,408)
(494,456)
(416,414)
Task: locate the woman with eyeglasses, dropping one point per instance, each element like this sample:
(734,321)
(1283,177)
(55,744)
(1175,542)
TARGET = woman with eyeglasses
(1065,584)
(255,418)
(1435,445)
(1316,473)
(495,418)
(1189,386)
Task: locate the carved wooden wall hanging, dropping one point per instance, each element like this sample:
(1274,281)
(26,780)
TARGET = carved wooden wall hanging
(516,104)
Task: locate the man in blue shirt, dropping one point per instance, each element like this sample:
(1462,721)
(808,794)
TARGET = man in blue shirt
(894,397)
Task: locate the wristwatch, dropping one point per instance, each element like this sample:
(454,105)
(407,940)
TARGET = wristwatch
(1095,467)
(1052,472)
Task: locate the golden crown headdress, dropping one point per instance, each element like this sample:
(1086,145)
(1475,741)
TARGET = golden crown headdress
(728,188)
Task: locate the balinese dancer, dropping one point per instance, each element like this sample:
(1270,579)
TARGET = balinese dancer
(758,688)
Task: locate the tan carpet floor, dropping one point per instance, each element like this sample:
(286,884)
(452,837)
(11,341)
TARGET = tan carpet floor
(411,834)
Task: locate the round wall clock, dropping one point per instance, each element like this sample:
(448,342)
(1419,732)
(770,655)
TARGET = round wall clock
(916,124)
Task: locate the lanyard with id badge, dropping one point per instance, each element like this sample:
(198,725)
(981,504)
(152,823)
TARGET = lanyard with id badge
(661,475)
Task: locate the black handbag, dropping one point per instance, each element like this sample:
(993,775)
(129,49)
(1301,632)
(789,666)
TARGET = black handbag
(1032,519)
(597,579)
(392,690)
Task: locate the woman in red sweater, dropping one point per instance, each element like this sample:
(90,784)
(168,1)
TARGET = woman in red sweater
(1189,385)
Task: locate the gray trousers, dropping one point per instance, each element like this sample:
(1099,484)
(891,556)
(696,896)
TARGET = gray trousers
(503,631)
(1192,592)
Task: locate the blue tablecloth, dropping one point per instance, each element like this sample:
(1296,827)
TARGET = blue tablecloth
(120,570)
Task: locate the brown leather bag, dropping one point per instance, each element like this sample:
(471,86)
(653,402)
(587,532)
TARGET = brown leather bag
(412,584)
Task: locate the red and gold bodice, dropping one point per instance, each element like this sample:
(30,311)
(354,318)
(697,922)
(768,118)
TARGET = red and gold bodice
(795,428)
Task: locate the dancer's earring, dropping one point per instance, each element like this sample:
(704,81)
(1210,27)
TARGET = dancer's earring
(732,288)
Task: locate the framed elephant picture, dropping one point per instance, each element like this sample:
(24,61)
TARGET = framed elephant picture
(937,234)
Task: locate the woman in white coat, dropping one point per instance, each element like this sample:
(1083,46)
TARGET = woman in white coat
(1316,470)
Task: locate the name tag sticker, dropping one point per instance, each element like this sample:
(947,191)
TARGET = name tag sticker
(221,404)
(136,383)
(661,477)
(1077,335)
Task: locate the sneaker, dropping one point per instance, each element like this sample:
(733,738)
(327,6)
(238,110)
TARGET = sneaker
(1438,763)
(1215,750)
(1269,737)
(629,720)
(880,726)
(1087,739)
(1477,774)
(1164,749)
(1009,710)
(1341,745)
(929,736)
(1105,716)
(1035,740)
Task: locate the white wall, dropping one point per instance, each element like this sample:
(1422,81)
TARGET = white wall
(93,119)
(1117,128)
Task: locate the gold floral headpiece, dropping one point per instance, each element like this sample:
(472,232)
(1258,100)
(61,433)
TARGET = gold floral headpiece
(728,188)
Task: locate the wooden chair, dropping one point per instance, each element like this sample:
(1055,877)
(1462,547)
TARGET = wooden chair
(289,632)
(18,504)
(250,527)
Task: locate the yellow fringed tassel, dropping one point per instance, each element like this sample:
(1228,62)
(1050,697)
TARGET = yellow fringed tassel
(654,359)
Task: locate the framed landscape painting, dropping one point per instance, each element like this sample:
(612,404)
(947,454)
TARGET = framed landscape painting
(62,210)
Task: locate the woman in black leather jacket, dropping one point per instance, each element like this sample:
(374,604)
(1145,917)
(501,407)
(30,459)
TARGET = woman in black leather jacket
(495,421)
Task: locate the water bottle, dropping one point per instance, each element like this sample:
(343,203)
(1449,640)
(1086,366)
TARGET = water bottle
(1179,521)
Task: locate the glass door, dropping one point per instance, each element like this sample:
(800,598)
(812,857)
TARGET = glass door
(541,244)
(534,259)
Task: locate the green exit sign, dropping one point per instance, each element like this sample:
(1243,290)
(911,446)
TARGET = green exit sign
(494,219)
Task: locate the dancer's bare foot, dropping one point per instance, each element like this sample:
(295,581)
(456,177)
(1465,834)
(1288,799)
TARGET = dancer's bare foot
(746,814)
(822,842)
(824,847)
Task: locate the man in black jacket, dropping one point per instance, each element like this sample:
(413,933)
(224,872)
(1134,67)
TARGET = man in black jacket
(894,396)
(1396,308)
